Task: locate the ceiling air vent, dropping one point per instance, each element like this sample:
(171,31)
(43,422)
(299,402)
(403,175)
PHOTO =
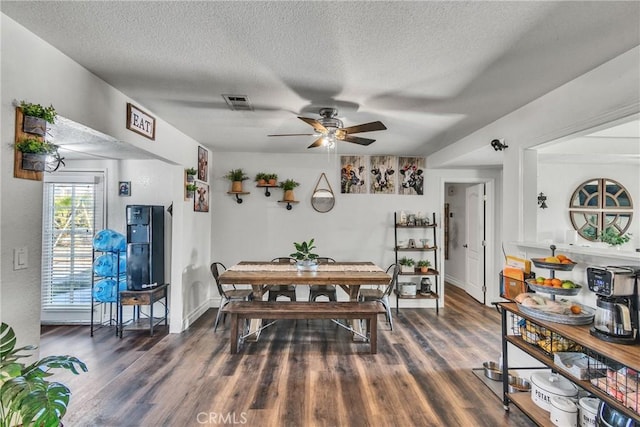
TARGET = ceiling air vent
(238,102)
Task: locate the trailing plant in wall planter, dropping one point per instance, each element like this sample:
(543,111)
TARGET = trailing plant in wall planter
(191,174)
(36,117)
(35,152)
(191,190)
(26,397)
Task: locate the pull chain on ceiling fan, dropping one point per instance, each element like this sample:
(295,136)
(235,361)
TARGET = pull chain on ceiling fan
(330,129)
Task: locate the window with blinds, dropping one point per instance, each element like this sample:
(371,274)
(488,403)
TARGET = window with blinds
(73,212)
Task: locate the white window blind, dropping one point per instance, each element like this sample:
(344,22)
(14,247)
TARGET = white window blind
(73,211)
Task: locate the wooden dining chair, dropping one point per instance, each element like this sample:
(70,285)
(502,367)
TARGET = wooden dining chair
(382,294)
(328,291)
(227,295)
(288,291)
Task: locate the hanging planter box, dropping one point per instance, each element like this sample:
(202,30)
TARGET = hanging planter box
(34,125)
(34,162)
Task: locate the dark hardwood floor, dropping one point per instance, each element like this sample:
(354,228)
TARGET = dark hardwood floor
(298,374)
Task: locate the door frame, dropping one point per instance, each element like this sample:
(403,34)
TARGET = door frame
(492,286)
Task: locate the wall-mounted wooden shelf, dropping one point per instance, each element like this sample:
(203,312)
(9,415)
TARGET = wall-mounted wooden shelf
(238,194)
(266,187)
(289,203)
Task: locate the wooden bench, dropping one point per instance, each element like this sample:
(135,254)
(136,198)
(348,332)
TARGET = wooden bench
(304,310)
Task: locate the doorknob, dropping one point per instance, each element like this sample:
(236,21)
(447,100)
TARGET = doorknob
(465,246)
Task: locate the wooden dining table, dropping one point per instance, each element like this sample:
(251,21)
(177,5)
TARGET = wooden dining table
(262,275)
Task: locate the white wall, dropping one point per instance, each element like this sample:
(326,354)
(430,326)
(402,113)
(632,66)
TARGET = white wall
(607,93)
(53,78)
(359,227)
(558,182)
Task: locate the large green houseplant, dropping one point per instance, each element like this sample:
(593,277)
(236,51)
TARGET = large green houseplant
(26,397)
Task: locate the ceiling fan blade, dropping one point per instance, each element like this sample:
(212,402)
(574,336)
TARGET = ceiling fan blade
(357,140)
(366,127)
(293,134)
(319,127)
(317,142)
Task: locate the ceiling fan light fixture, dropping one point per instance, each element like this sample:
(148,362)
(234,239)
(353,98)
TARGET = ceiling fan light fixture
(330,129)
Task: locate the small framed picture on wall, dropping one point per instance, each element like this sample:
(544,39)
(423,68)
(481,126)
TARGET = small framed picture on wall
(203,164)
(124,188)
(201,198)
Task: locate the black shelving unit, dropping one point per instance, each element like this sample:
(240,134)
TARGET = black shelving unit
(108,307)
(433,273)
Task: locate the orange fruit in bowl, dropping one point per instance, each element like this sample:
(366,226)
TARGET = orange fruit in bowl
(566,261)
(547,282)
(556,282)
(575,309)
(561,257)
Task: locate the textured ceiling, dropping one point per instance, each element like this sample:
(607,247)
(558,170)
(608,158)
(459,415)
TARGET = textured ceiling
(433,72)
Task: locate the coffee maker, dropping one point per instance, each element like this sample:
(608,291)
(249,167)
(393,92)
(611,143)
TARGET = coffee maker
(616,317)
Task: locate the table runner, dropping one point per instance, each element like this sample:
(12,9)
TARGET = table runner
(337,267)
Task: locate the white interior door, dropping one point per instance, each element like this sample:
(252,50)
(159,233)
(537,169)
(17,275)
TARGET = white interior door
(474,242)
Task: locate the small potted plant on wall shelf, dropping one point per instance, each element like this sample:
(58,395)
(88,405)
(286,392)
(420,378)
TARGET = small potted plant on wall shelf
(261,178)
(407,264)
(34,153)
(36,117)
(271,178)
(236,176)
(191,174)
(288,185)
(424,265)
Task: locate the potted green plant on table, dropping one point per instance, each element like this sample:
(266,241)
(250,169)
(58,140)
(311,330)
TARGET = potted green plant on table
(306,260)
(288,185)
(424,265)
(613,237)
(26,397)
(36,117)
(34,153)
(236,176)
(407,264)
(191,174)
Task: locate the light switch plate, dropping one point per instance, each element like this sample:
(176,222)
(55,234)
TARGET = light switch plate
(20,258)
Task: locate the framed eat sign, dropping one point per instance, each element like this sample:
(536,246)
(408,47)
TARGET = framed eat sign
(141,122)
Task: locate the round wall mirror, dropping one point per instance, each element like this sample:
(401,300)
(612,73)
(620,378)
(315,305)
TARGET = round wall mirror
(598,206)
(322,200)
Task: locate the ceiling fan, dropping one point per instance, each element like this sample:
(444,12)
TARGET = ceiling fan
(330,129)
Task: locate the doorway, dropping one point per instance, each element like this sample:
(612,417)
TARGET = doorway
(469,240)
